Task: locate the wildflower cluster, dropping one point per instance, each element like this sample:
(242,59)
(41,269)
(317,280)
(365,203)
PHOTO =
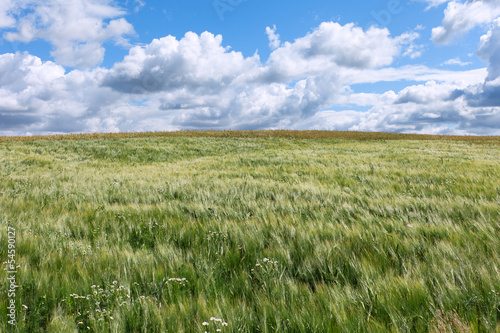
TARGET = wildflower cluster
(266,263)
(96,308)
(216,242)
(215,325)
(80,249)
(179,281)
(21,186)
(264,270)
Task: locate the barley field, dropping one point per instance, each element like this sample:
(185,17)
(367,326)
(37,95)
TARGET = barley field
(268,231)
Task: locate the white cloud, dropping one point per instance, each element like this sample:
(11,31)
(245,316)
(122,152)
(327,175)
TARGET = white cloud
(440,117)
(486,93)
(6,19)
(197,83)
(40,97)
(366,99)
(274,38)
(75,28)
(489,50)
(194,62)
(330,46)
(138,5)
(459,18)
(456,62)
(413,50)
(428,93)
(433,3)
(410,73)
(426,108)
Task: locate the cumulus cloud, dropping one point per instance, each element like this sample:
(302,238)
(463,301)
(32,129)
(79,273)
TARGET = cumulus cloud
(38,96)
(274,38)
(459,18)
(331,46)
(487,93)
(76,29)
(196,82)
(489,50)
(438,117)
(433,105)
(256,107)
(428,93)
(431,108)
(200,83)
(195,63)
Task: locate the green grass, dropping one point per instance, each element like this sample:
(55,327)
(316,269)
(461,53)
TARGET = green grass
(269,234)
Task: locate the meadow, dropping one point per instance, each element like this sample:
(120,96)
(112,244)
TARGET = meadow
(252,232)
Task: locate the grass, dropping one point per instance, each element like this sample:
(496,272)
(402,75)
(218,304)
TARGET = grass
(267,231)
(283,134)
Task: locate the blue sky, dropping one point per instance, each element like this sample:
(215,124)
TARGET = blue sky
(414,66)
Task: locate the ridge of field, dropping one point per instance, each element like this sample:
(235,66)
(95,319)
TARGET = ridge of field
(284,134)
(268,234)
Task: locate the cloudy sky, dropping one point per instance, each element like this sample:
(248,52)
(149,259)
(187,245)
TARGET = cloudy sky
(412,66)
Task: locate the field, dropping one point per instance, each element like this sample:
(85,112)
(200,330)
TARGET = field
(251,232)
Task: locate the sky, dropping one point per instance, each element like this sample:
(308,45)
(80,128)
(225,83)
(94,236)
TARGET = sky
(405,66)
